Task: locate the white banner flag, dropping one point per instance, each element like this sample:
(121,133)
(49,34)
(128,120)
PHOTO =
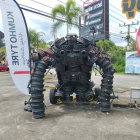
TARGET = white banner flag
(17,45)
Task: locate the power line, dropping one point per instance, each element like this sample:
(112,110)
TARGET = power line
(117,13)
(128,33)
(115,28)
(36,11)
(45,14)
(118,10)
(112,11)
(65,3)
(111,33)
(39,12)
(118,35)
(61,1)
(116,18)
(41,4)
(115,21)
(114,31)
(134,27)
(48,15)
(47,5)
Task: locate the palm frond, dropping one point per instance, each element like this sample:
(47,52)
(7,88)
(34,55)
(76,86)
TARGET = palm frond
(72,11)
(58,10)
(56,26)
(69,5)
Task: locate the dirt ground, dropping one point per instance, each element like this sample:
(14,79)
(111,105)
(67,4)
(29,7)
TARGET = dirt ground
(67,122)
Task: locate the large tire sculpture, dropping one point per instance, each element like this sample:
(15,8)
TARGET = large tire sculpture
(95,55)
(104,62)
(36,90)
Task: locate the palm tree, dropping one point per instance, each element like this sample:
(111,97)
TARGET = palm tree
(35,39)
(69,12)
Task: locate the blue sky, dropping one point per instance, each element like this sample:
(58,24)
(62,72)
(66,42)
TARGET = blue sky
(42,24)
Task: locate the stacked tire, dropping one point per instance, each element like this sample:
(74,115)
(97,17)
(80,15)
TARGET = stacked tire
(36,91)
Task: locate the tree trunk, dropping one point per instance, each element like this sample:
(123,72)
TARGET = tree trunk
(67,28)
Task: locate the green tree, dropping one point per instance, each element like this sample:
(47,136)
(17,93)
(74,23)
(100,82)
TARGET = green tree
(116,52)
(2,44)
(3,50)
(69,12)
(35,39)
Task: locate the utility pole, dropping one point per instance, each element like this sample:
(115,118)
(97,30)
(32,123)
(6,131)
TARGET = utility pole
(128,32)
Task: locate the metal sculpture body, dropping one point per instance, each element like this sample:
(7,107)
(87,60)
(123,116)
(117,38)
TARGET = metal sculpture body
(73,59)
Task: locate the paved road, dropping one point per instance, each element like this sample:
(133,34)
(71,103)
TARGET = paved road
(66,122)
(122,81)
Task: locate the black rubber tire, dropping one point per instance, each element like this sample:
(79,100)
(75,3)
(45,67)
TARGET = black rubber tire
(105,106)
(97,92)
(107,82)
(52,96)
(36,90)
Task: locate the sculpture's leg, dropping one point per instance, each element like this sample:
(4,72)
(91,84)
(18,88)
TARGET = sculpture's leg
(36,90)
(67,92)
(104,62)
(107,83)
(84,94)
(41,61)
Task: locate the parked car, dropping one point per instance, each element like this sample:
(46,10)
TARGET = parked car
(3,67)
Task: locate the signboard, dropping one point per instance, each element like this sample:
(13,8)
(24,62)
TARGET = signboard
(130,7)
(138,41)
(98,17)
(17,45)
(88,2)
(132,63)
